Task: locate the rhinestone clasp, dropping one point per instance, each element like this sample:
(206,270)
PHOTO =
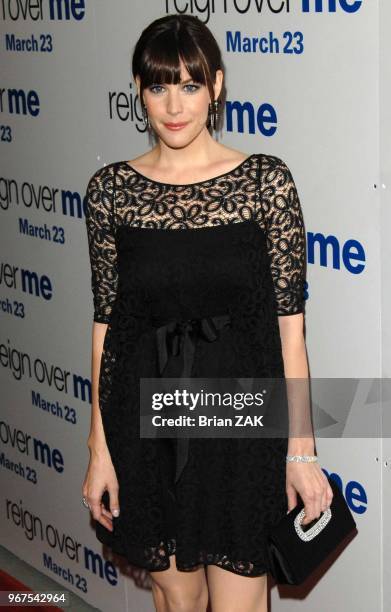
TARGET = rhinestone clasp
(308,535)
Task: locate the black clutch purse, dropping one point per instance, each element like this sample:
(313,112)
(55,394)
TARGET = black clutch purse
(294,550)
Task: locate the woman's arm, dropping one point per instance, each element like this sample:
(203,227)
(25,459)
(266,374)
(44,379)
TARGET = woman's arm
(99,216)
(305,478)
(281,215)
(100,474)
(296,371)
(100,225)
(96,439)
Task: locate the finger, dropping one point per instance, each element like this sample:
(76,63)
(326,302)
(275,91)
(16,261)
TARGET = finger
(106,519)
(95,508)
(310,509)
(326,496)
(323,505)
(316,505)
(106,512)
(103,520)
(114,502)
(330,495)
(292,498)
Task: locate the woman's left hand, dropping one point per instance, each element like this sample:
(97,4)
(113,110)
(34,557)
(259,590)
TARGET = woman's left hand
(311,483)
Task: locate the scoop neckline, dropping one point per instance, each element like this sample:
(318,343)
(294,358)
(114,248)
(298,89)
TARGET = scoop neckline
(212,178)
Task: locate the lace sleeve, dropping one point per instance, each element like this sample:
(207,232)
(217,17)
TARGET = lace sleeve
(101,242)
(281,216)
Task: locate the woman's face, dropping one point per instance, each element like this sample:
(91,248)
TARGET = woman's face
(178,113)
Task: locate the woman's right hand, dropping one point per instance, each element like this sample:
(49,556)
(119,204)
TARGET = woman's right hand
(100,477)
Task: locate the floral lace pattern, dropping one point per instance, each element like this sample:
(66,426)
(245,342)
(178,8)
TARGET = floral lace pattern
(246,256)
(261,188)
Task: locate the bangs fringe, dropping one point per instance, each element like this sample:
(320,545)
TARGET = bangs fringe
(161,62)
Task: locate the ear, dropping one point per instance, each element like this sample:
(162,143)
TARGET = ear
(218,83)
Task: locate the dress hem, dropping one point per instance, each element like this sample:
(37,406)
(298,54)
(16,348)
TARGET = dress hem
(166,545)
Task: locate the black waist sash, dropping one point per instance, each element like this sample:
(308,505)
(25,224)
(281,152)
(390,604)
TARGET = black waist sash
(176,345)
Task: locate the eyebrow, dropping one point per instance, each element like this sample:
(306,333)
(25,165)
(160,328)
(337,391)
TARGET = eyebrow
(181,82)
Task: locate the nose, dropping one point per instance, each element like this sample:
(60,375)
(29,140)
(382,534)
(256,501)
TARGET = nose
(174,102)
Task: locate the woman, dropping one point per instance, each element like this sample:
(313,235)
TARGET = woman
(193,233)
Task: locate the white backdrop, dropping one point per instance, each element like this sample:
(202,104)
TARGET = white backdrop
(328,84)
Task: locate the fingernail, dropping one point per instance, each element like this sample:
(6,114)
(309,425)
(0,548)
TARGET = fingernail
(116,512)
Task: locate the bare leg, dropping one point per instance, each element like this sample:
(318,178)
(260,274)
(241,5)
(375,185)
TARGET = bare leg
(230,592)
(158,597)
(175,591)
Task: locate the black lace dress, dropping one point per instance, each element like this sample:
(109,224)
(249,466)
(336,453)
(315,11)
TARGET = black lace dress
(231,248)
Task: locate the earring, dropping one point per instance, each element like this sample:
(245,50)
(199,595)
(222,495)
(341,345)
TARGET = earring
(145,116)
(214,113)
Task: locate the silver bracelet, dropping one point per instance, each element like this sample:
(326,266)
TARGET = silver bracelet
(304,458)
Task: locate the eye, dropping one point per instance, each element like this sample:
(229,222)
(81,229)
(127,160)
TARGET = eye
(193,86)
(153,88)
(156,89)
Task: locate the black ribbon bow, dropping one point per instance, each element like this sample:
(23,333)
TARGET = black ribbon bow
(176,344)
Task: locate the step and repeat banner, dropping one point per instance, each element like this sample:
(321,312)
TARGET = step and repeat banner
(307,81)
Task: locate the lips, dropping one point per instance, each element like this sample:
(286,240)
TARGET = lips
(175,126)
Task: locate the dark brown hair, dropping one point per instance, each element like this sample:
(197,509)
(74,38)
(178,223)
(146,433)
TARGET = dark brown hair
(170,38)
